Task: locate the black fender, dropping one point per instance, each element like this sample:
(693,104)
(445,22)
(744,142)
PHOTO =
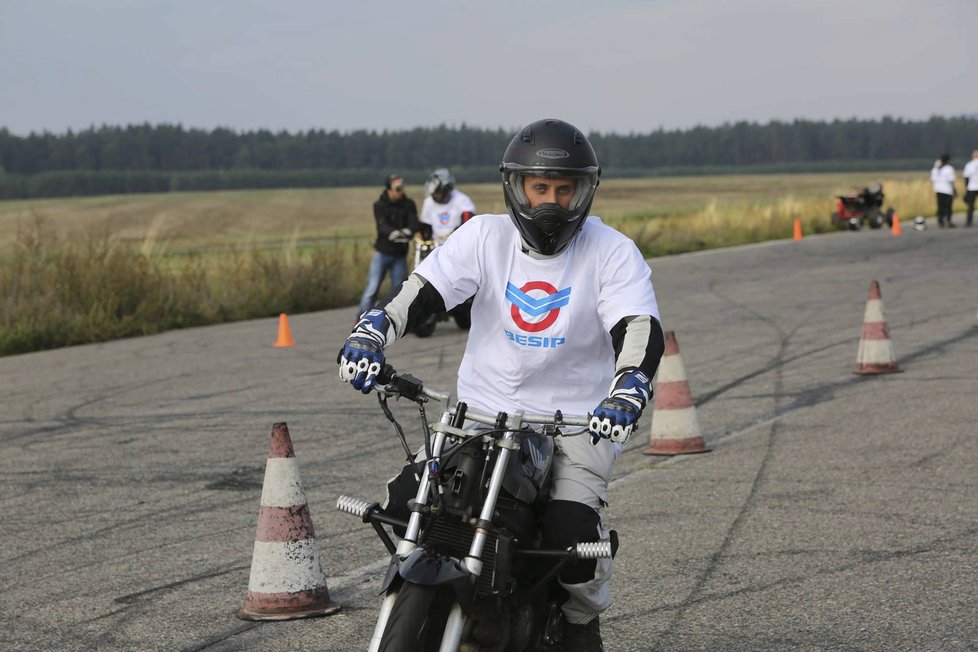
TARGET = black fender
(428,568)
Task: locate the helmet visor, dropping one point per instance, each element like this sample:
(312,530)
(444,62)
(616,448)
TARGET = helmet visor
(580,197)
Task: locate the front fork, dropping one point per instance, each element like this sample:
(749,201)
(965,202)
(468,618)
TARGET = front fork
(473,561)
(455,624)
(410,540)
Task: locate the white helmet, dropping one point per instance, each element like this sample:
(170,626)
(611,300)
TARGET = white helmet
(919,223)
(440,185)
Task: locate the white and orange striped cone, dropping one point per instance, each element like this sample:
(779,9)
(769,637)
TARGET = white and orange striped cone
(287,580)
(675,428)
(875,355)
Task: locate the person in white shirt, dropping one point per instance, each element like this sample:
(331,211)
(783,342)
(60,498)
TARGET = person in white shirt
(445,207)
(942,178)
(564,317)
(970,174)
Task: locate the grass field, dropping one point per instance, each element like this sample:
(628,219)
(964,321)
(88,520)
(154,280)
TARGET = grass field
(90,269)
(176,221)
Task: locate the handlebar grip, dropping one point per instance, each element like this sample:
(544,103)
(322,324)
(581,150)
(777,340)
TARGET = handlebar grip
(386,375)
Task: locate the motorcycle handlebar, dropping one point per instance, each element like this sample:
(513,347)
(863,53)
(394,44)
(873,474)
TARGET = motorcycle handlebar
(413,389)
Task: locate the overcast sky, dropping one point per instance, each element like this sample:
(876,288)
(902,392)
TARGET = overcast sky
(605,65)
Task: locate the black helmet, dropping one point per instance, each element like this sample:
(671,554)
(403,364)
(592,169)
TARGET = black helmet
(441,182)
(555,149)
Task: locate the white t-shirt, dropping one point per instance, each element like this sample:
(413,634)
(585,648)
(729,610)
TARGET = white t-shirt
(540,338)
(445,218)
(942,177)
(971,173)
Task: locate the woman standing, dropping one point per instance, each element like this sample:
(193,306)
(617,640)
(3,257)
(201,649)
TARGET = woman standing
(942,177)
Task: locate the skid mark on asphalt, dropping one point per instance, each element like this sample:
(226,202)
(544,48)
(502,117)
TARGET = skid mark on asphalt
(220,638)
(805,399)
(349,589)
(715,560)
(156,518)
(862,558)
(138,603)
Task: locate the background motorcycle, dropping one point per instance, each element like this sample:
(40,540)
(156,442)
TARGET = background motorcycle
(462,313)
(469,569)
(863,207)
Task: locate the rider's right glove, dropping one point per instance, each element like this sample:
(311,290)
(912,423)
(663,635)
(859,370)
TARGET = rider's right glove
(615,416)
(362,355)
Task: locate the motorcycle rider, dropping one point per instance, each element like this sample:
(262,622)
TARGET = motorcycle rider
(445,207)
(564,317)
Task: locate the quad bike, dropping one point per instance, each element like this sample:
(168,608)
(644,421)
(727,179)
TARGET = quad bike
(469,571)
(864,207)
(462,313)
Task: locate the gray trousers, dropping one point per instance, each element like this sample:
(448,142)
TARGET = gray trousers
(581,473)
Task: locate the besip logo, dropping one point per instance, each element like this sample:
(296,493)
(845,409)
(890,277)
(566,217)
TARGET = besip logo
(444,217)
(544,306)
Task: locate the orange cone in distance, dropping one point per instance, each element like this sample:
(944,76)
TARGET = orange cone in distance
(284,334)
(287,579)
(875,355)
(895,229)
(675,428)
(797,234)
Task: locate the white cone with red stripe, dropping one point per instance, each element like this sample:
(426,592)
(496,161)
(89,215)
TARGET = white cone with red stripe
(287,579)
(875,355)
(675,428)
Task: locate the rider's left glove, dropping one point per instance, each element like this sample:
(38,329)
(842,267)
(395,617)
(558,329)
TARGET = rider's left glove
(362,355)
(615,416)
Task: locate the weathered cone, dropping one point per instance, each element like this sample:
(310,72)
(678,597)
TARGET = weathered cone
(875,355)
(675,428)
(287,580)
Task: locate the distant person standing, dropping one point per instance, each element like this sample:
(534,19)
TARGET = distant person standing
(445,208)
(942,178)
(970,175)
(397,221)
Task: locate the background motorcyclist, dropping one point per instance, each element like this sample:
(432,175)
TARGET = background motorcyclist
(564,317)
(445,207)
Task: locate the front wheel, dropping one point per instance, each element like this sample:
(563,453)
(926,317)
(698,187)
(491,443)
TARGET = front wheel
(427,327)
(418,618)
(463,318)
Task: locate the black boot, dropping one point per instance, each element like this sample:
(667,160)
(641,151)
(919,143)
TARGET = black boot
(582,638)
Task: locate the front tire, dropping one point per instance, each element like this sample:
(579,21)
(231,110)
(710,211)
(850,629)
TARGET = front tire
(463,318)
(427,327)
(417,621)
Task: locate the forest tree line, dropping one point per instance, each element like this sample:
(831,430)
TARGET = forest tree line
(166,157)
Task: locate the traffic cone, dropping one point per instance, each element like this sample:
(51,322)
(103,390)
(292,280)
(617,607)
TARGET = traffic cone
(797,234)
(875,354)
(675,428)
(287,580)
(895,229)
(284,334)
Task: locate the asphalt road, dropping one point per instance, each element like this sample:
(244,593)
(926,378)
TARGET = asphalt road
(836,512)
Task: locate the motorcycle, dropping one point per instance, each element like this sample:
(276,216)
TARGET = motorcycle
(462,313)
(860,208)
(469,572)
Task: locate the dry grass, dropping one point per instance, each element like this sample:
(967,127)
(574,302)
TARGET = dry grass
(177,221)
(92,269)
